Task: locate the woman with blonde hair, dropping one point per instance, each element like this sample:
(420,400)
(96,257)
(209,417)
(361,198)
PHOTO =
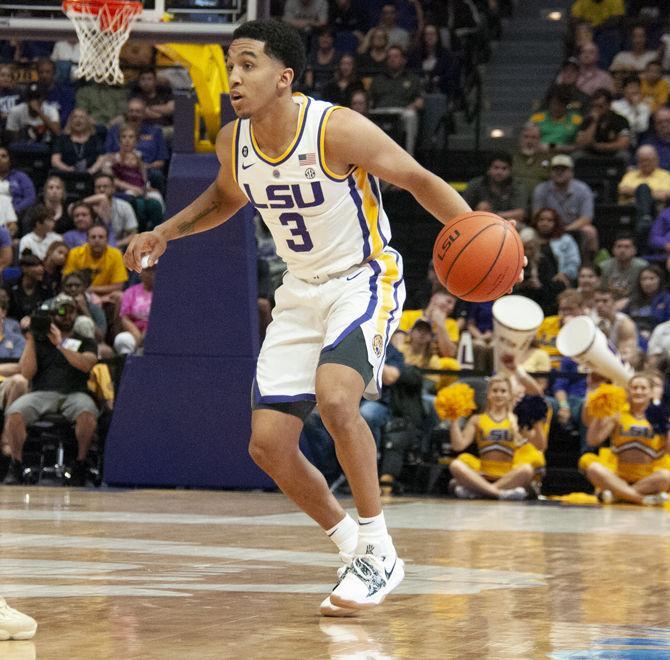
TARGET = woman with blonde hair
(509,458)
(635,467)
(54,198)
(78,148)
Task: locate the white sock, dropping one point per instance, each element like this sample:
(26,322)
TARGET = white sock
(344,535)
(373,537)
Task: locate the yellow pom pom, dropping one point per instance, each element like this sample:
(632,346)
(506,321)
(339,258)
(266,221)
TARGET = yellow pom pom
(449,364)
(457,400)
(606,400)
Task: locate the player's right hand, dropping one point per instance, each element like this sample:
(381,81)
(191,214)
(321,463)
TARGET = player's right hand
(150,243)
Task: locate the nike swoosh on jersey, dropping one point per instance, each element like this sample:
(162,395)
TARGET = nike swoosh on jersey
(351,277)
(247,166)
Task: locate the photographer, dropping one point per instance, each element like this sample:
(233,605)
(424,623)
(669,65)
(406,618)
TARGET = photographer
(58,361)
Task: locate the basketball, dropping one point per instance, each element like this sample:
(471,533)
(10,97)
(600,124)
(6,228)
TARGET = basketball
(478,256)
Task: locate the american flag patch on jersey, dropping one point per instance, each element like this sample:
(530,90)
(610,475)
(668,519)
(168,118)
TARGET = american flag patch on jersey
(306,159)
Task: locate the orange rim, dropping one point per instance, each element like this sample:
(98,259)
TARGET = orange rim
(95,6)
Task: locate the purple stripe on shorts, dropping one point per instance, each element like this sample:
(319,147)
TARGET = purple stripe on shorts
(367,315)
(361,218)
(287,398)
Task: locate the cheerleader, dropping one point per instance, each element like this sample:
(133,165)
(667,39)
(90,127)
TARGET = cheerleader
(636,466)
(508,460)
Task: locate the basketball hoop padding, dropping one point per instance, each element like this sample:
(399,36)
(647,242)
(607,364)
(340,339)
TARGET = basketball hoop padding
(102,26)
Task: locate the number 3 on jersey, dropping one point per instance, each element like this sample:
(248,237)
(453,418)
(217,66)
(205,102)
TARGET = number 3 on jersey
(296,224)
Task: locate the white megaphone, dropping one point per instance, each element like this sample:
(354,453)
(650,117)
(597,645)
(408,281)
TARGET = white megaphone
(515,322)
(581,340)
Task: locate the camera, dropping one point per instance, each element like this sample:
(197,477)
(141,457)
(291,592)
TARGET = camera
(40,324)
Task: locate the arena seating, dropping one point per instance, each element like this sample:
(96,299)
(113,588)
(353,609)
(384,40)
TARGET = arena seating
(204,340)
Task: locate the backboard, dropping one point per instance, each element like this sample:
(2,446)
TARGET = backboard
(190,21)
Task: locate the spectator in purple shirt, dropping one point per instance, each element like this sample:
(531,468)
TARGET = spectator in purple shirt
(659,138)
(84,218)
(6,251)
(15,183)
(659,236)
(480,320)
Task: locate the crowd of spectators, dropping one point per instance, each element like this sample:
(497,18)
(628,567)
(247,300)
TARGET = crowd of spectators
(587,186)
(82,169)
(605,111)
(390,55)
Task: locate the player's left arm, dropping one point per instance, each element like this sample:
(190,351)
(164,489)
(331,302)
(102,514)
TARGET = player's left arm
(352,139)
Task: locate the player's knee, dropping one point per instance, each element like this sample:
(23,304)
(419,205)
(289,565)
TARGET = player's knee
(261,449)
(337,411)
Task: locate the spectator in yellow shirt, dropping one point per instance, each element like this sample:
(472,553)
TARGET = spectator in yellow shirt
(647,172)
(105,264)
(598,12)
(648,187)
(445,329)
(654,87)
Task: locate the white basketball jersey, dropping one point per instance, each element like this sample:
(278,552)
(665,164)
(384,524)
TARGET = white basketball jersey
(322,223)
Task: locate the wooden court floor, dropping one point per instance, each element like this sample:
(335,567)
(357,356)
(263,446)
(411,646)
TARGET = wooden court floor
(200,574)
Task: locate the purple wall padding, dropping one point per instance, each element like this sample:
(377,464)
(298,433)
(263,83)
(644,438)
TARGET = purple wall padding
(182,415)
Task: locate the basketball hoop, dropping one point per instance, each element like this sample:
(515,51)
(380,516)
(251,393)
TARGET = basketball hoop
(102,27)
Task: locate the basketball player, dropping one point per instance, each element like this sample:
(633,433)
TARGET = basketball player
(312,170)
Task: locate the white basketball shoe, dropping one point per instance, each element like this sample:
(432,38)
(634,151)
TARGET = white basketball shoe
(367,581)
(15,624)
(327,608)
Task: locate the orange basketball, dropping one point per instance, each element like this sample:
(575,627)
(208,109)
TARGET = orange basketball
(478,256)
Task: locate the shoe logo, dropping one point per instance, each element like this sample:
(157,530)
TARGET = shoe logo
(246,166)
(368,575)
(369,549)
(353,277)
(388,573)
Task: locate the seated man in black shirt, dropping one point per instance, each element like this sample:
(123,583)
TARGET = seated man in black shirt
(604,132)
(58,364)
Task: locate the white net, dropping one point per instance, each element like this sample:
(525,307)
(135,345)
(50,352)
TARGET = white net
(102,30)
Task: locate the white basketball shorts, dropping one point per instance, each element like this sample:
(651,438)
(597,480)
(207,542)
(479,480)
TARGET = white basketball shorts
(309,318)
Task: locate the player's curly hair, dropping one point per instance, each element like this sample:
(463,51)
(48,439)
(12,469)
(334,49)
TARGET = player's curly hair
(282,41)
